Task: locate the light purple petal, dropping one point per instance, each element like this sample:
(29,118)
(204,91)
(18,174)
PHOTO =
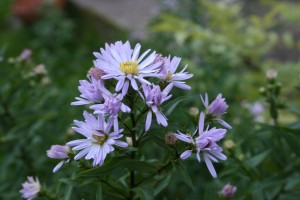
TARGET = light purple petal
(186,154)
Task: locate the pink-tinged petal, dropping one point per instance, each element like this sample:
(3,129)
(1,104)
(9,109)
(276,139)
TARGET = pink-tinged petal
(201,122)
(210,166)
(205,101)
(76,142)
(81,153)
(219,155)
(147,61)
(223,123)
(58,166)
(184,138)
(168,89)
(120,84)
(134,85)
(148,121)
(125,88)
(181,85)
(143,55)
(198,156)
(154,109)
(125,108)
(186,154)
(116,125)
(161,119)
(136,52)
(121,144)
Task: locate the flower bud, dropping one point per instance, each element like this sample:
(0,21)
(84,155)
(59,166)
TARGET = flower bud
(271,74)
(170,138)
(229,144)
(194,111)
(129,141)
(228,191)
(96,73)
(58,152)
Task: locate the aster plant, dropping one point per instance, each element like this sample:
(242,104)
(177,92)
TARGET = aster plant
(125,92)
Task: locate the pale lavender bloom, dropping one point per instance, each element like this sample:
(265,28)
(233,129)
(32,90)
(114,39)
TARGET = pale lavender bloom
(168,73)
(256,109)
(217,108)
(111,106)
(59,152)
(205,143)
(25,54)
(119,61)
(154,97)
(90,92)
(99,140)
(31,188)
(228,191)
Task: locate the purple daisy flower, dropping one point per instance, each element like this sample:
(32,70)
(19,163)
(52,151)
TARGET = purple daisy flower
(31,188)
(112,106)
(168,73)
(90,92)
(154,97)
(121,62)
(205,143)
(99,141)
(59,152)
(217,108)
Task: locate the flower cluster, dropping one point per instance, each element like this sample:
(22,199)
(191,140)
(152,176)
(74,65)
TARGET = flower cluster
(204,141)
(122,75)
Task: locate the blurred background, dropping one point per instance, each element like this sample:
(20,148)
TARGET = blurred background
(233,47)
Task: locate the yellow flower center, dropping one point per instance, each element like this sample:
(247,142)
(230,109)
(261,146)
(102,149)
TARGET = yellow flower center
(100,139)
(129,67)
(169,76)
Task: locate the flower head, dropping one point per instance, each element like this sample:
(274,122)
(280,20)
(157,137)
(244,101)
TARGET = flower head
(99,140)
(217,108)
(59,152)
(228,191)
(31,188)
(205,143)
(154,97)
(168,73)
(111,106)
(90,92)
(119,61)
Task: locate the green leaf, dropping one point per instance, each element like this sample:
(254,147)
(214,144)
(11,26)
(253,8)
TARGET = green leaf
(139,166)
(256,160)
(162,184)
(172,105)
(109,167)
(99,192)
(291,138)
(144,192)
(181,170)
(120,163)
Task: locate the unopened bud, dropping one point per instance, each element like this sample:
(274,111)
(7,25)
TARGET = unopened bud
(40,69)
(229,144)
(129,141)
(96,73)
(262,91)
(271,74)
(227,191)
(170,138)
(194,111)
